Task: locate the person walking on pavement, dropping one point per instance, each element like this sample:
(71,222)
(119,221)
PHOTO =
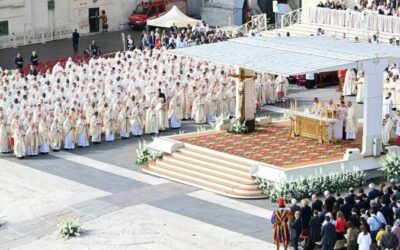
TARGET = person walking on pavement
(75,41)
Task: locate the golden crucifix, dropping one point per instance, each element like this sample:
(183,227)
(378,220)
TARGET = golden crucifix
(242,99)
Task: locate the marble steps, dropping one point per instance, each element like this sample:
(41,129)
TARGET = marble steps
(208,169)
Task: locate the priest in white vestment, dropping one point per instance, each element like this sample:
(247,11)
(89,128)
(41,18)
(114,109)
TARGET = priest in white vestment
(151,126)
(32,141)
(19,142)
(387,129)
(174,114)
(387,105)
(123,123)
(69,133)
(95,128)
(4,139)
(109,126)
(55,136)
(360,87)
(43,131)
(349,86)
(82,134)
(351,122)
(136,122)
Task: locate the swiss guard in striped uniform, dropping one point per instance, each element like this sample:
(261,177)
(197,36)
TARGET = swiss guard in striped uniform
(280,221)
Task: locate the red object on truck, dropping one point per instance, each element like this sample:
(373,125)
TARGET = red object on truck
(153,9)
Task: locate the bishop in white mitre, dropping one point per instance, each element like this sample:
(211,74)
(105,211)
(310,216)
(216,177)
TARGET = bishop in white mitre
(82,134)
(95,128)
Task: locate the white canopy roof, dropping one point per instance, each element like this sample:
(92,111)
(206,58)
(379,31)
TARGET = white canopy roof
(174,15)
(290,55)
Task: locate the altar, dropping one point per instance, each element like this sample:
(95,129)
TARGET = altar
(324,129)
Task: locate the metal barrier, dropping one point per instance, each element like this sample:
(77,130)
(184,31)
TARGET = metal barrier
(291,18)
(257,22)
(21,39)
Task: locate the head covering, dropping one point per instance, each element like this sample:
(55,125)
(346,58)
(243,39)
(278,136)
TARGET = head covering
(281,202)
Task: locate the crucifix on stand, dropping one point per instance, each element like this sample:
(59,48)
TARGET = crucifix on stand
(245,100)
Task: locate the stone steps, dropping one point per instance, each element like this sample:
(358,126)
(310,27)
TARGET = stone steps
(208,169)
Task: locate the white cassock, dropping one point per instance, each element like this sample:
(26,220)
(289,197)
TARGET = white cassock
(4,140)
(69,134)
(95,129)
(136,123)
(351,124)
(199,114)
(387,129)
(360,90)
(32,142)
(82,135)
(151,125)
(19,144)
(123,122)
(231,100)
(271,92)
(174,114)
(55,137)
(43,131)
(162,118)
(109,128)
(387,106)
(349,85)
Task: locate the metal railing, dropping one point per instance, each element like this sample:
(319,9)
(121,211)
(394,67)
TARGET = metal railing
(21,39)
(291,18)
(258,22)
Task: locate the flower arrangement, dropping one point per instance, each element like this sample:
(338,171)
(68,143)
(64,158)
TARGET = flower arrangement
(305,187)
(69,227)
(143,154)
(238,127)
(390,165)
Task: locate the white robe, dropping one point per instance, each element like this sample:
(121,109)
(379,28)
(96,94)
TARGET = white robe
(19,144)
(351,124)
(151,125)
(387,129)
(387,106)
(349,83)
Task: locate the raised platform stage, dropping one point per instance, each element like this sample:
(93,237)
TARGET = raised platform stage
(229,164)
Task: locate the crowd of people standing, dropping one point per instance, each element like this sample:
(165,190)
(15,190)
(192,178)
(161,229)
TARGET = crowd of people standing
(360,220)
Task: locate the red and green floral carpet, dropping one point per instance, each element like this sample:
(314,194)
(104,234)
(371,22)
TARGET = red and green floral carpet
(272,145)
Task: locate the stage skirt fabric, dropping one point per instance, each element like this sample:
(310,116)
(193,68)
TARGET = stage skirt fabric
(175,122)
(398,140)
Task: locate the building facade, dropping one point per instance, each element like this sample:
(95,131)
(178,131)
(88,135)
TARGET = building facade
(35,16)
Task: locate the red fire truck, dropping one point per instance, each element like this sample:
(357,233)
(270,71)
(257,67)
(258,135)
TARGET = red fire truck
(153,9)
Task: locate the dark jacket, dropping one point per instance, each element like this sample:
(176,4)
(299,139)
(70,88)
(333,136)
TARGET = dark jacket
(374,193)
(329,202)
(19,62)
(34,60)
(294,208)
(75,37)
(295,227)
(389,241)
(346,210)
(317,205)
(328,236)
(306,214)
(387,213)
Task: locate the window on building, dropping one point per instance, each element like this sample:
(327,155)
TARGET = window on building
(3,28)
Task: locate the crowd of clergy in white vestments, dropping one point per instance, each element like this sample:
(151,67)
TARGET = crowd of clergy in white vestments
(354,85)
(133,93)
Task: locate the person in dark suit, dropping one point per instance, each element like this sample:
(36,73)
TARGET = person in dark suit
(295,230)
(315,231)
(339,200)
(354,217)
(329,201)
(151,40)
(294,208)
(316,203)
(351,196)
(346,208)
(386,195)
(34,59)
(19,62)
(386,212)
(373,193)
(328,235)
(75,41)
(173,29)
(360,203)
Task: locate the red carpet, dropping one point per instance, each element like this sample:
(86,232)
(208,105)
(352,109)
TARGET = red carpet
(272,145)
